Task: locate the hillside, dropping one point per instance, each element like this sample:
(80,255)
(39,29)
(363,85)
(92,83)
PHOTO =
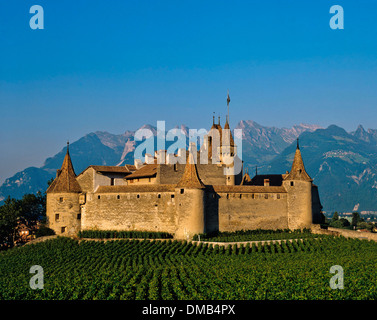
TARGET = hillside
(340,163)
(343,164)
(102,148)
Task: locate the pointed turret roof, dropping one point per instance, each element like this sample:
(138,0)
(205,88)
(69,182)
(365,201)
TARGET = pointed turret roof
(190,177)
(246,179)
(228,141)
(66,179)
(216,140)
(298,171)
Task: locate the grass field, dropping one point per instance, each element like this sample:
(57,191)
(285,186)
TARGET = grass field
(152,269)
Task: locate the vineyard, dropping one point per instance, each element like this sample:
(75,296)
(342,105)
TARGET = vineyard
(114,234)
(256,235)
(152,269)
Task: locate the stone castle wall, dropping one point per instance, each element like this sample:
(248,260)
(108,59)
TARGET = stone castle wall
(221,212)
(243,211)
(180,211)
(142,211)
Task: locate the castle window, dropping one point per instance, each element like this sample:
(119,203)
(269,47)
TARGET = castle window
(240,196)
(57,217)
(175,167)
(79,216)
(138,196)
(62,229)
(292,183)
(172,196)
(278,196)
(118,196)
(159,196)
(227,195)
(99,197)
(111,181)
(182,191)
(149,179)
(61,199)
(252,196)
(266,196)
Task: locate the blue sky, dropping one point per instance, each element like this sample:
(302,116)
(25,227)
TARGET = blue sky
(116,65)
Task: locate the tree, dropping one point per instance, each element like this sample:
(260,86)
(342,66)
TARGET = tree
(355,219)
(50,181)
(10,212)
(344,222)
(30,210)
(340,223)
(335,217)
(33,207)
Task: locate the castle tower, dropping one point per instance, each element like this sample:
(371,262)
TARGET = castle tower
(228,151)
(62,204)
(190,203)
(299,187)
(214,142)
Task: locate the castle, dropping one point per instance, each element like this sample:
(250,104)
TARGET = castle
(182,198)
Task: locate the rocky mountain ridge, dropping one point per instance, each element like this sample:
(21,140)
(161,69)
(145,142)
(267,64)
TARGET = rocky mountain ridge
(343,164)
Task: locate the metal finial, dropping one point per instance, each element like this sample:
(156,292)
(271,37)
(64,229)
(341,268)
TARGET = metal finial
(227,103)
(298,147)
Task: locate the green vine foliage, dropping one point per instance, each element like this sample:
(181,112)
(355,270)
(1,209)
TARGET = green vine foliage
(175,270)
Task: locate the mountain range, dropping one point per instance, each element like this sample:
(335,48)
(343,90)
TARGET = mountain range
(342,164)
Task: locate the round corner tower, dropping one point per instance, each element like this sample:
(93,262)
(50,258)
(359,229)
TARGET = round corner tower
(299,194)
(190,205)
(63,208)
